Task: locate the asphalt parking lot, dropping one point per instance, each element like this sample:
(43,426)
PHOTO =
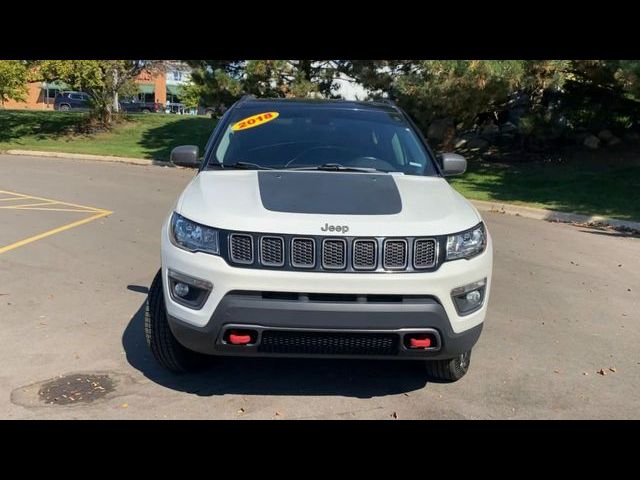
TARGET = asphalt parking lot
(74,271)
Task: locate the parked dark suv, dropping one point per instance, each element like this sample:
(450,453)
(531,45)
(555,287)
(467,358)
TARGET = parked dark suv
(66,101)
(141,107)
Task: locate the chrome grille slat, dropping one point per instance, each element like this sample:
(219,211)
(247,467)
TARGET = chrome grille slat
(365,254)
(272,251)
(241,248)
(334,253)
(425,253)
(303,252)
(395,254)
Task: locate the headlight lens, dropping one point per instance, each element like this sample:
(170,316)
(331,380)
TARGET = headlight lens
(467,244)
(192,236)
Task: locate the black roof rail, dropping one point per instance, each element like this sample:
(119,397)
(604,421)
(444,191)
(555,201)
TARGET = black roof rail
(244,98)
(388,101)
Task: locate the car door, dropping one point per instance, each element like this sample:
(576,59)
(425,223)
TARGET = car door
(86,101)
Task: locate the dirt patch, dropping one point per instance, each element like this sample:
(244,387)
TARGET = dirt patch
(76,388)
(73,389)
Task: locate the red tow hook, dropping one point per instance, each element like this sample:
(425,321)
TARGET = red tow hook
(239,339)
(420,342)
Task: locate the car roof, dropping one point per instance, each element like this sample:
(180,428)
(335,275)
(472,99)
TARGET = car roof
(317,103)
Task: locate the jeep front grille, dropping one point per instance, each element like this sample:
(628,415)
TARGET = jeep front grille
(272,251)
(395,254)
(424,253)
(365,254)
(303,253)
(334,253)
(241,248)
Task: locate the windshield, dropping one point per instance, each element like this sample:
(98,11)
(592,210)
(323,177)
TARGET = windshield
(286,136)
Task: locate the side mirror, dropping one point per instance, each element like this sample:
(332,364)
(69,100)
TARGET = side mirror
(185,156)
(453,164)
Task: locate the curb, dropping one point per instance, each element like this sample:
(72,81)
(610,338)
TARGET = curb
(554,216)
(86,156)
(496,207)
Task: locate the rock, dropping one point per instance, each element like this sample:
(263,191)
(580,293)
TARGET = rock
(605,135)
(477,144)
(591,142)
(459,142)
(508,127)
(439,129)
(580,137)
(613,141)
(490,129)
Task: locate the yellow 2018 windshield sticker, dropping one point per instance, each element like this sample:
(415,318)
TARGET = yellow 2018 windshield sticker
(254,121)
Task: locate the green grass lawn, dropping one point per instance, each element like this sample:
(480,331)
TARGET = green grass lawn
(141,136)
(600,183)
(605,182)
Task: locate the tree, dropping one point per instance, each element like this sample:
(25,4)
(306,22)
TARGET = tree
(103,80)
(458,89)
(224,81)
(14,76)
(191,95)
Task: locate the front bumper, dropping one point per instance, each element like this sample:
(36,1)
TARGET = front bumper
(236,299)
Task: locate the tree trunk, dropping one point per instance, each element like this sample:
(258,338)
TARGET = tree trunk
(116,104)
(107,116)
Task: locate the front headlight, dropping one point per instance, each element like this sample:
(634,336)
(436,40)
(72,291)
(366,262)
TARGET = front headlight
(192,236)
(467,244)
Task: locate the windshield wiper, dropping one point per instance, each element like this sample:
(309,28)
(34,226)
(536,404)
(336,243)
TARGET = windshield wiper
(336,167)
(246,165)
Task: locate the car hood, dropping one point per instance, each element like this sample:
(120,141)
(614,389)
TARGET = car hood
(296,202)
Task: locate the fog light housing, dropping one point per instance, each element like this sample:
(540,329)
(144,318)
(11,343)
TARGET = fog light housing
(469,298)
(188,291)
(181,289)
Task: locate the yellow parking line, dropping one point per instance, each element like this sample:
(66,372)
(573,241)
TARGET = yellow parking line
(53,209)
(10,198)
(41,204)
(93,209)
(103,213)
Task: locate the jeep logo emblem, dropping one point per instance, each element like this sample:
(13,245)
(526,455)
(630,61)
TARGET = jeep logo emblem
(335,228)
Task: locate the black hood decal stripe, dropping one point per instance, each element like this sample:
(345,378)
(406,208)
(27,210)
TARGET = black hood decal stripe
(329,193)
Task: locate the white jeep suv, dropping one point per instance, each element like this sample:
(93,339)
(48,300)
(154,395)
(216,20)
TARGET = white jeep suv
(320,228)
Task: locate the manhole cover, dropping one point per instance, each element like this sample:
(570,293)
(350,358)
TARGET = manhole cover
(72,389)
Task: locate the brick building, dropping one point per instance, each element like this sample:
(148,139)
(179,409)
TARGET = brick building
(41,95)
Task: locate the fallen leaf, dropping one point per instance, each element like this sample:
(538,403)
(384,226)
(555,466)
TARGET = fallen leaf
(241,411)
(278,414)
(585,373)
(556,371)
(602,372)
(125,405)
(394,415)
(613,369)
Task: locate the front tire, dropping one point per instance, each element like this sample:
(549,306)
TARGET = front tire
(450,370)
(167,351)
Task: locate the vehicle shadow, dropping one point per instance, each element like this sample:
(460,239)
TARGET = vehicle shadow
(276,376)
